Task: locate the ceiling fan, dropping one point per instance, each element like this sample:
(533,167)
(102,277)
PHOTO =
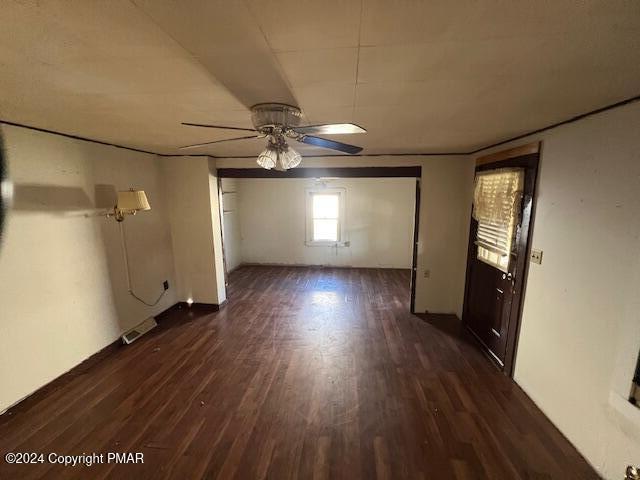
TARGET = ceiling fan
(278,122)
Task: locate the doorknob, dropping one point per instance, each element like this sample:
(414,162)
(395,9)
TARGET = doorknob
(633,473)
(507,276)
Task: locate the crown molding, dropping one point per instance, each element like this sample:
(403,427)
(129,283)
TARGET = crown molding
(422,154)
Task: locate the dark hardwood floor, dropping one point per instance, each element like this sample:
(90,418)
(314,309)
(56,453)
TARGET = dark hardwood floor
(305,373)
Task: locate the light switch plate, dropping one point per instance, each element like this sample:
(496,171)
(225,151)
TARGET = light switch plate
(536,256)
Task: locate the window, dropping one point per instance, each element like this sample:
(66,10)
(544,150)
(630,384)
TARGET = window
(496,207)
(325,216)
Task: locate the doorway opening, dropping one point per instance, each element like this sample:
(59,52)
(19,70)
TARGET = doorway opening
(351,217)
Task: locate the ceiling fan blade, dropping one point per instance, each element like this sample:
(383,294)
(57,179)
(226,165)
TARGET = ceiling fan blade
(218,141)
(217,126)
(331,129)
(324,143)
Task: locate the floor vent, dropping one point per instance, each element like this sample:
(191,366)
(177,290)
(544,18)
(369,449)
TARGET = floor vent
(136,332)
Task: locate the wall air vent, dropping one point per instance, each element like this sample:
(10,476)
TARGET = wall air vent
(136,332)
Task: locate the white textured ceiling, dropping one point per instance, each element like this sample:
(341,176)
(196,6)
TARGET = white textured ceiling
(420,76)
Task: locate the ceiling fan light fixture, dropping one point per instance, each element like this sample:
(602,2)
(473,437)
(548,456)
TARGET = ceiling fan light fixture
(289,159)
(278,122)
(268,159)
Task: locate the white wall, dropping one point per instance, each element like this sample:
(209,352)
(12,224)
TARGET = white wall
(580,332)
(231,223)
(62,280)
(191,193)
(444,221)
(379,218)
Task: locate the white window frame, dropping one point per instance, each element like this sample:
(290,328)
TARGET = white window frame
(309,193)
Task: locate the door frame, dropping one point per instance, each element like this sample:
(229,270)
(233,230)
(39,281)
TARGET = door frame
(224,252)
(414,254)
(527,156)
(343,172)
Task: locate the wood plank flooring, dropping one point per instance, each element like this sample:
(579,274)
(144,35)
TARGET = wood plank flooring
(305,373)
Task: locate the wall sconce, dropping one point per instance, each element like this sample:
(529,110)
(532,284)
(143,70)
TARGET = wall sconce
(129,202)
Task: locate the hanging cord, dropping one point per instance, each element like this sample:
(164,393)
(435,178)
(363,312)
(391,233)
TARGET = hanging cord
(125,256)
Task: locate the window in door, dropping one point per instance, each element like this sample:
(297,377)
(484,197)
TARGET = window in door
(496,207)
(325,216)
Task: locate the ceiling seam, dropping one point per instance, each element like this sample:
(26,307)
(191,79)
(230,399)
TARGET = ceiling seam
(188,52)
(355,84)
(275,57)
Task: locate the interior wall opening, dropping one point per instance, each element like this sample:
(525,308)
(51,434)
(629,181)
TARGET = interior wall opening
(321,222)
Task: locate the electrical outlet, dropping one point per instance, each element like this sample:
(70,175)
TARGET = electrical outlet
(427,273)
(536,256)
(165,284)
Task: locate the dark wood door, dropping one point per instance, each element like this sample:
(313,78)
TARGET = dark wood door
(489,308)
(493,298)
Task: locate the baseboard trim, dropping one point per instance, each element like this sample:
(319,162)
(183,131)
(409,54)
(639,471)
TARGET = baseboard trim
(234,269)
(162,316)
(33,398)
(525,391)
(202,307)
(311,265)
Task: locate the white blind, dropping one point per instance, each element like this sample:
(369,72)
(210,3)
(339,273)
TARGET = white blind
(496,207)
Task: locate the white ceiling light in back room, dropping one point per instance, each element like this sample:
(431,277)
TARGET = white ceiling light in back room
(278,122)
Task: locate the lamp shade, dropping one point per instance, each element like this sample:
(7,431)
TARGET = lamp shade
(132,201)
(289,159)
(268,158)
